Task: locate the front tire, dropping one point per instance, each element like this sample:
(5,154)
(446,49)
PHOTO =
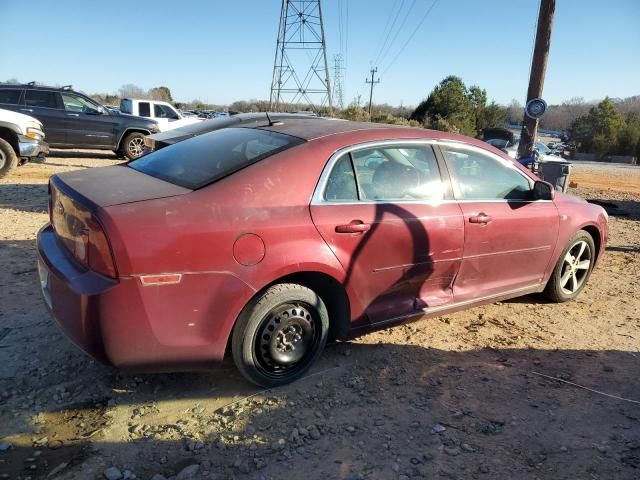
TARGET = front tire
(133,145)
(8,158)
(573,269)
(280,334)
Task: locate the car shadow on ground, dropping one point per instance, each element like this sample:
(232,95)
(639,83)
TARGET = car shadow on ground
(367,411)
(629,209)
(107,155)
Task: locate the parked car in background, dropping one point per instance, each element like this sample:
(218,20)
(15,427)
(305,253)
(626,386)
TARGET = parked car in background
(163,139)
(73,120)
(164,113)
(21,140)
(187,114)
(265,241)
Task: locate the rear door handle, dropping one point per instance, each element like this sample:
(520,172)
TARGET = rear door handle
(26,110)
(356,226)
(480,218)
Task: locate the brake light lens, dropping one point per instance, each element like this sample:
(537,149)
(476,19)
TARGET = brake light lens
(81,233)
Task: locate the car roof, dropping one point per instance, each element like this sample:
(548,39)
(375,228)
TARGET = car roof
(65,88)
(311,128)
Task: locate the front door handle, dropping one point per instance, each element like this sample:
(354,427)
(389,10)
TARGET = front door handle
(26,109)
(73,114)
(356,226)
(480,218)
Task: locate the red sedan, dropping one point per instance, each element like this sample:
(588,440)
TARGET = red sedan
(265,242)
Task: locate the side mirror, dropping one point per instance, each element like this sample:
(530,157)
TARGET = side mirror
(543,190)
(100,110)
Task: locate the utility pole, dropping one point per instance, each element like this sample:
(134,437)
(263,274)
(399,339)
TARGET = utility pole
(300,69)
(372,82)
(538,69)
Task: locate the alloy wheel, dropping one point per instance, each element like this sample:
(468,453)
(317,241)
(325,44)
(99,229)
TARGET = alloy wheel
(3,159)
(286,337)
(136,146)
(575,267)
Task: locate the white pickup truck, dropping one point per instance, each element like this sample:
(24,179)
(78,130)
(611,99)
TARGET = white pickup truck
(21,140)
(164,113)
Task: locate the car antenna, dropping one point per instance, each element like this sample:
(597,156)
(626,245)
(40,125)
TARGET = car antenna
(271,122)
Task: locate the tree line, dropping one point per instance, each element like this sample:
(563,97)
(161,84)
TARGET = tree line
(608,127)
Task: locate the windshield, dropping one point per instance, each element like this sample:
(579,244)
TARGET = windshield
(498,142)
(542,148)
(206,158)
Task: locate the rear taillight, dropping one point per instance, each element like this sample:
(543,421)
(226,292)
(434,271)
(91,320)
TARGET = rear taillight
(81,233)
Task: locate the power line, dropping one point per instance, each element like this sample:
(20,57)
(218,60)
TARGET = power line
(338,98)
(398,30)
(410,38)
(386,26)
(390,30)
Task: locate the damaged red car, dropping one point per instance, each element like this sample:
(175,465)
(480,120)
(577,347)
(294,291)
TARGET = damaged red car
(264,242)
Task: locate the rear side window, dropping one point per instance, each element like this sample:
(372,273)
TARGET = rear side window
(10,96)
(41,98)
(206,158)
(144,109)
(390,173)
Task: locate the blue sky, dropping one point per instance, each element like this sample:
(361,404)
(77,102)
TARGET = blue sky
(221,51)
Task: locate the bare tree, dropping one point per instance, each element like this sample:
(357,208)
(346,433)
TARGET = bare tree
(130,90)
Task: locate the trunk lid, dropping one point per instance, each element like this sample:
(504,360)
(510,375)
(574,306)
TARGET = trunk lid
(118,184)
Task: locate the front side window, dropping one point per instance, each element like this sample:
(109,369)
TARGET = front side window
(10,96)
(144,109)
(206,158)
(479,176)
(76,104)
(164,111)
(41,98)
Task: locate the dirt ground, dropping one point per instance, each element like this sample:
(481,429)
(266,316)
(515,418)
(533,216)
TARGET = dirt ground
(455,397)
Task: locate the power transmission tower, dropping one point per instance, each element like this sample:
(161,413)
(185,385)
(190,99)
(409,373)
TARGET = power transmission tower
(338,98)
(300,70)
(372,82)
(538,70)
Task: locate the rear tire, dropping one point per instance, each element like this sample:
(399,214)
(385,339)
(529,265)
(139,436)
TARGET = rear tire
(133,145)
(280,334)
(573,269)
(8,158)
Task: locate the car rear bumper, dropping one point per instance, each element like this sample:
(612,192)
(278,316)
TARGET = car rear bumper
(123,323)
(30,148)
(72,294)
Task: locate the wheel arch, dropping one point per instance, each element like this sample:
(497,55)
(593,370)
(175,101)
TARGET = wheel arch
(129,130)
(11,137)
(332,292)
(596,235)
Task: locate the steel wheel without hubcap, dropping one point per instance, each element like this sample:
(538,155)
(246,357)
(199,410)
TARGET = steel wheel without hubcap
(136,146)
(575,267)
(280,334)
(286,336)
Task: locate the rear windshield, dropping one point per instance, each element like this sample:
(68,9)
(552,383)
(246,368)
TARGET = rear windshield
(206,158)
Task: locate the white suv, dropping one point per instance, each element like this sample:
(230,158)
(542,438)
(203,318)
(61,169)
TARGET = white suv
(21,140)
